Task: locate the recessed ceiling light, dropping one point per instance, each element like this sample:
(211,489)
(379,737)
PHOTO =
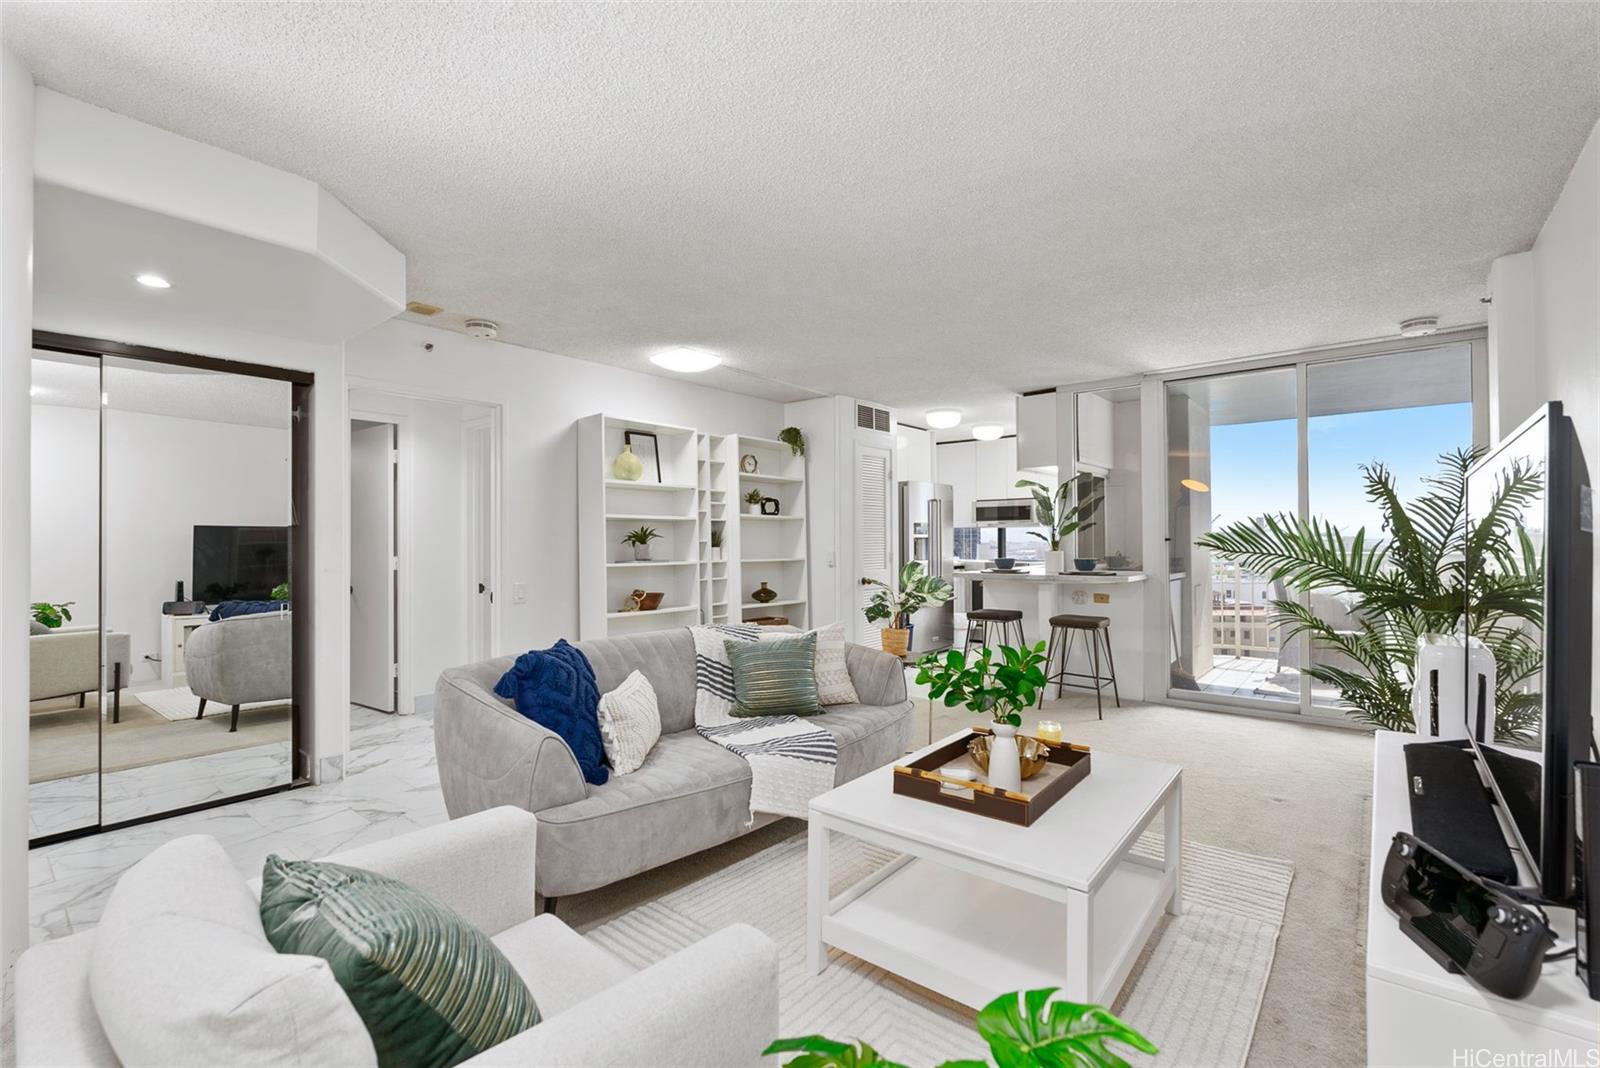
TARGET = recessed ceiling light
(988,431)
(943,418)
(153,281)
(685,360)
(1421,326)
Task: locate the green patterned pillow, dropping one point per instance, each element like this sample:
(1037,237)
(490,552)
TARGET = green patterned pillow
(775,678)
(431,988)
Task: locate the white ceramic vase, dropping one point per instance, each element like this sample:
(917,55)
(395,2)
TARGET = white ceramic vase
(641,552)
(1005,766)
(752,509)
(1055,562)
(627,466)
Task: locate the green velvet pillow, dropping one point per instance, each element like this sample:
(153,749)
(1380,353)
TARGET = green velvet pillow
(431,988)
(775,678)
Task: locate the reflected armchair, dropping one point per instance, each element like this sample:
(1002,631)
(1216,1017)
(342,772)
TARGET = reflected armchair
(240,660)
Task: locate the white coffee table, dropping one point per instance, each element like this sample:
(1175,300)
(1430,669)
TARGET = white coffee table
(976,907)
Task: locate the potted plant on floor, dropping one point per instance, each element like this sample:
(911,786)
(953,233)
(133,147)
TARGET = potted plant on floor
(1054,510)
(640,540)
(997,689)
(917,589)
(752,502)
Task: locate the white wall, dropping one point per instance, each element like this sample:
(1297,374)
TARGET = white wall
(66,509)
(540,395)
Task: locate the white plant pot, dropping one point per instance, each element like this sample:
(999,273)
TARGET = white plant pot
(752,509)
(1055,562)
(641,552)
(1005,766)
(716,552)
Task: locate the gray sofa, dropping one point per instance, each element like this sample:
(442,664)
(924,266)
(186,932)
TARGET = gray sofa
(689,795)
(65,661)
(241,659)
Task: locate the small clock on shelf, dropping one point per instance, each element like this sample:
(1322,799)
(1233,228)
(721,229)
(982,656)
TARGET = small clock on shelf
(747,463)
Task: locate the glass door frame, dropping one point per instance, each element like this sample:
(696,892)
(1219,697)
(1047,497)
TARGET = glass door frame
(301,573)
(1159,503)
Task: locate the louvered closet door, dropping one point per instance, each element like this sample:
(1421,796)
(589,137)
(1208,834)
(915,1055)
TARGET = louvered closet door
(874,541)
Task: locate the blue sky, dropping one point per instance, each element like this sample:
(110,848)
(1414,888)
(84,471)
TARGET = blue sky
(1253,465)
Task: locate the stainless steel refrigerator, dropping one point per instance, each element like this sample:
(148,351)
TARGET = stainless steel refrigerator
(927,533)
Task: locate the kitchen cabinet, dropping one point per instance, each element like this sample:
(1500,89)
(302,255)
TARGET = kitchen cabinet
(913,455)
(1036,430)
(997,469)
(957,464)
(1094,433)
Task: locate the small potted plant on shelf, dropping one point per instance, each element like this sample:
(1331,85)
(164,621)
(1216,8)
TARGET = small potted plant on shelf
(716,543)
(752,502)
(918,589)
(640,540)
(1054,510)
(999,689)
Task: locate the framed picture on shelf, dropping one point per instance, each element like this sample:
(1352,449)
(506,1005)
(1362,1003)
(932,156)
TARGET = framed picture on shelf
(650,455)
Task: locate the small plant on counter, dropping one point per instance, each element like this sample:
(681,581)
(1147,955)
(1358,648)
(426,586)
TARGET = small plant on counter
(640,540)
(794,438)
(52,614)
(1023,1030)
(997,689)
(1054,510)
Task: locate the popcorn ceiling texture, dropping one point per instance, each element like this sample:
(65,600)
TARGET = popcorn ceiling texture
(909,203)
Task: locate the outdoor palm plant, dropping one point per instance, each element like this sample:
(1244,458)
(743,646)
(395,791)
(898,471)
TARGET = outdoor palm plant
(1411,582)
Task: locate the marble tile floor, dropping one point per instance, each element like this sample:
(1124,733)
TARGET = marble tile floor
(391,787)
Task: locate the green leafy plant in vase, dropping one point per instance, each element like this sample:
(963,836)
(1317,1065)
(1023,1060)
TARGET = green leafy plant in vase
(793,437)
(640,540)
(716,543)
(1023,1030)
(1054,510)
(52,613)
(1000,689)
(752,502)
(897,604)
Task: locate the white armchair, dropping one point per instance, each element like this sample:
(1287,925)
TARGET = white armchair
(714,1003)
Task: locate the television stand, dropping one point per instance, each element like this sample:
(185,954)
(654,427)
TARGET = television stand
(1452,810)
(175,631)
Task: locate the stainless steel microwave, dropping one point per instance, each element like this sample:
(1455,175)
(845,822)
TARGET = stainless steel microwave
(1011,512)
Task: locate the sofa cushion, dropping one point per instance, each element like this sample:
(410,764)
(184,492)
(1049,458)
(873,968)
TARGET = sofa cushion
(869,736)
(432,989)
(774,678)
(181,973)
(688,795)
(630,723)
(560,966)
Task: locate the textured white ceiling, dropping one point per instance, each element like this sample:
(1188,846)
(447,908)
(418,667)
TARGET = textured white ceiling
(916,204)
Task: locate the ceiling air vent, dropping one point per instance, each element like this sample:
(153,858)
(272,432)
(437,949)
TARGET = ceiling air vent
(870,418)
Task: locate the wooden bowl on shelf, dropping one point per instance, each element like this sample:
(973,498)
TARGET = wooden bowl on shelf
(1033,753)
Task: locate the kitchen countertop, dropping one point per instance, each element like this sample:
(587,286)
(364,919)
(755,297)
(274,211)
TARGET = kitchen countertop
(1037,576)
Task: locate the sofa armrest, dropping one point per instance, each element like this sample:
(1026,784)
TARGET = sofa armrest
(55,1019)
(712,1005)
(490,755)
(879,679)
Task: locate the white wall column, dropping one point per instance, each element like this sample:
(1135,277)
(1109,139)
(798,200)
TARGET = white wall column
(1516,381)
(16,342)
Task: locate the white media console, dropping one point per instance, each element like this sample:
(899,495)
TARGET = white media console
(1419,1014)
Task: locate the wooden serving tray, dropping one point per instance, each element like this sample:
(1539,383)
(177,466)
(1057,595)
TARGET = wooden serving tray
(923,779)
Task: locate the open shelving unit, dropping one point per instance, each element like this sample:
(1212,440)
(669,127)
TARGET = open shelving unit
(768,548)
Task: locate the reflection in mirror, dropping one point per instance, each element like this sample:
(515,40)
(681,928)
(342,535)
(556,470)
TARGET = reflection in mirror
(196,532)
(64,687)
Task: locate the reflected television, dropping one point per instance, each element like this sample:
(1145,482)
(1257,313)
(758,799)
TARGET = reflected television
(239,563)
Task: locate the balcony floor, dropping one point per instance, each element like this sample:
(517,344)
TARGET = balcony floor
(1259,677)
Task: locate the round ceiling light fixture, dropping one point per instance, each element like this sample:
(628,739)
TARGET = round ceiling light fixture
(686,361)
(988,431)
(1194,484)
(1421,326)
(943,418)
(152,281)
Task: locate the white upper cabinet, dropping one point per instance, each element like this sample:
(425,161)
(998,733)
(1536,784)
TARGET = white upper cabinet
(1036,430)
(957,464)
(1094,432)
(913,454)
(997,469)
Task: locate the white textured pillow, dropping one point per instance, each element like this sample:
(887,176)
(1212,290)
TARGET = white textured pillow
(630,723)
(833,674)
(181,973)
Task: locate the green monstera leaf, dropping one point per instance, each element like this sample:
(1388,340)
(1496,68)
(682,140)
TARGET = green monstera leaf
(1028,1030)
(818,1052)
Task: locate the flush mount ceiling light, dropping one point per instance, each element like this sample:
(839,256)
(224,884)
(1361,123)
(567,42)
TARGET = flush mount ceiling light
(152,281)
(1194,484)
(685,361)
(1421,326)
(988,431)
(943,418)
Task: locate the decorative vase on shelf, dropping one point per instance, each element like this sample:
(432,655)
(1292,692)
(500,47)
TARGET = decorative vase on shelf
(1055,562)
(627,466)
(1005,767)
(752,509)
(764,594)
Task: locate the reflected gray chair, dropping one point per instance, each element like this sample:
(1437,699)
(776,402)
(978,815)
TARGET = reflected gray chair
(240,660)
(64,662)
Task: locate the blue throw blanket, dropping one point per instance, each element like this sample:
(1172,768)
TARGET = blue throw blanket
(555,688)
(228,609)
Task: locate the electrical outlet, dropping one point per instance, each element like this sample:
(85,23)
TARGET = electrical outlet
(519,593)
(1102,598)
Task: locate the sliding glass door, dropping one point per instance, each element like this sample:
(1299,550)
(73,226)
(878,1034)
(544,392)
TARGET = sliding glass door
(1299,440)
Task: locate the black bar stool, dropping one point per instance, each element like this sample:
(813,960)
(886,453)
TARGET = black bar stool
(980,619)
(1064,631)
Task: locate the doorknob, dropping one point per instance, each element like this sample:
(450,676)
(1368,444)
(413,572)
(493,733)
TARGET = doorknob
(481,587)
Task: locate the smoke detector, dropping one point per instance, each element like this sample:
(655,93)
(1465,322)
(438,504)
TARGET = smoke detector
(1421,326)
(485,329)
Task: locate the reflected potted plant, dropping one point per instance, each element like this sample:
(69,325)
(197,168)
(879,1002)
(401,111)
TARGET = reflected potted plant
(52,614)
(1054,510)
(640,540)
(917,589)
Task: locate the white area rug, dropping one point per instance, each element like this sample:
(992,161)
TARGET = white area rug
(181,703)
(1196,996)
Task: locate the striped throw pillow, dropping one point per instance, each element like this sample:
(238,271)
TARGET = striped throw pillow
(775,678)
(431,988)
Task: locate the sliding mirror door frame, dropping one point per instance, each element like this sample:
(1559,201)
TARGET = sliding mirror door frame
(301,573)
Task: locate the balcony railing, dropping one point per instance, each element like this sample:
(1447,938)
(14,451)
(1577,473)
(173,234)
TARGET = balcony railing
(1240,613)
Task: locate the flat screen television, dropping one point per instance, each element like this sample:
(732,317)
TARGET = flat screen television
(1540,568)
(239,563)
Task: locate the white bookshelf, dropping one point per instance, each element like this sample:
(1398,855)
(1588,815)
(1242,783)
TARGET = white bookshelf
(770,549)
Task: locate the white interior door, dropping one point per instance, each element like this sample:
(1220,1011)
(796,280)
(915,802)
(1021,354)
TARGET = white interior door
(478,482)
(874,542)
(373,559)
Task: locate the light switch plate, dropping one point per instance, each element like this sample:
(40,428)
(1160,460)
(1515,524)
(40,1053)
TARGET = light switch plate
(519,593)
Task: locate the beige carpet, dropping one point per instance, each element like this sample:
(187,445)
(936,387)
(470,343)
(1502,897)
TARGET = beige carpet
(1258,786)
(65,740)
